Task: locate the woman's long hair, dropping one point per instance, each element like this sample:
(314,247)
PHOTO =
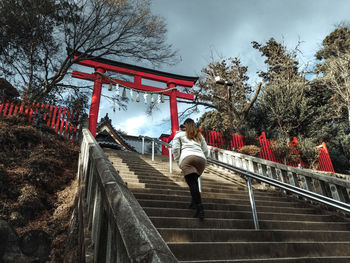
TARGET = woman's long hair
(192,132)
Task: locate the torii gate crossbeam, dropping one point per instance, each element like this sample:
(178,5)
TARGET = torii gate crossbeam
(102,65)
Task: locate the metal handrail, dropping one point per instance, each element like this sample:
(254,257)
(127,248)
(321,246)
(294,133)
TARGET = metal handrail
(154,140)
(247,175)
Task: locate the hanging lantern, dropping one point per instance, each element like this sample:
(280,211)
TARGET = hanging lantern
(162,98)
(158,99)
(124,94)
(152,99)
(117,89)
(131,94)
(145,97)
(110,87)
(138,97)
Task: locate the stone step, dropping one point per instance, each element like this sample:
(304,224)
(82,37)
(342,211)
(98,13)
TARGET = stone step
(163,179)
(240,205)
(244,200)
(186,197)
(220,223)
(247,250)
(184,235)
(152,169)
(308,259)
(234,194)
(165,212)
(160,179)
(178,187)
(127,173)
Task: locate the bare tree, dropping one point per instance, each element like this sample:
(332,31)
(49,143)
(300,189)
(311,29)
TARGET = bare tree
(337,78)
(334,66)
(232,101)
(53,31)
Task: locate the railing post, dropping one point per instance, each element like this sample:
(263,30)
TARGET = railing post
(269,172)
(244,164)
(239,162)
(279,175)
(260,169)
(252,203)
(336,193)
(152,150)
(319,187)
(143,145)
(200,183)
(251,166)
(96,222)
(348,192)
(111,240)
(305,183)
(170,161)
(101,247)
(292,179)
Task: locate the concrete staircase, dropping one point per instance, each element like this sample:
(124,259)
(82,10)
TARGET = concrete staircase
(291,230)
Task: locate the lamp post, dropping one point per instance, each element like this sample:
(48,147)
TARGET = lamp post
(227,85)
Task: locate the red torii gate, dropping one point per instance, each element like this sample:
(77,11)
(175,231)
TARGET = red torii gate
(101,65)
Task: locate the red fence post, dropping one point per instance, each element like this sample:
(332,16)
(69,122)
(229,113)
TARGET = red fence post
(325,163)
(10,109)
(6,107)
(21,108)
(1,107)
(49,117)
(165,150)
(58,119)
(262,140)
(53,117)
(62,120)
(67,121)
(16,108)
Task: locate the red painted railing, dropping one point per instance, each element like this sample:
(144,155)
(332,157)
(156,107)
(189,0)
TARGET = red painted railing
(216,139)
(63,120)
(325,163)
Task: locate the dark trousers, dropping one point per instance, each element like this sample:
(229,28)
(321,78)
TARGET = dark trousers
(192,181)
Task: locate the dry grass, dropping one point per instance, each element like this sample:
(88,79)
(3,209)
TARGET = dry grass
(37,186)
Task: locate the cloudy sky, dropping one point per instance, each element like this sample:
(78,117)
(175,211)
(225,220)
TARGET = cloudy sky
(225,28)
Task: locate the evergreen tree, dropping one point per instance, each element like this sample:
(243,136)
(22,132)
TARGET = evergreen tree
(231,103)
(284,104)
(333,80)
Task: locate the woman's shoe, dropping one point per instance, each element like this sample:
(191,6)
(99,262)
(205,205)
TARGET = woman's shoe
(199,212)
(192,205)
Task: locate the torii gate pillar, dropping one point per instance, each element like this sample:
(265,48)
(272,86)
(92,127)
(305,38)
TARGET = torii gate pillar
(173,109)
(95,102)
(101,65)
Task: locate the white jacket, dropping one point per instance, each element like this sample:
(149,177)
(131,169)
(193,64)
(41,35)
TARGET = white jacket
(183,147)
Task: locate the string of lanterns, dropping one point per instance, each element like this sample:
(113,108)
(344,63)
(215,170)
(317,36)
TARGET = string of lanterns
(159,98)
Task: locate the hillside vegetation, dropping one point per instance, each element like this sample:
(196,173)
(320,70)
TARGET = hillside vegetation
(37,187)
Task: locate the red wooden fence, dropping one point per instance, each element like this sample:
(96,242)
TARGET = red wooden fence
(325,163)
(63,120)
(216,139)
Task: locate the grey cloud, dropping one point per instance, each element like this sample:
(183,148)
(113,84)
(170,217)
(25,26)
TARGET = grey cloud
(197,27)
